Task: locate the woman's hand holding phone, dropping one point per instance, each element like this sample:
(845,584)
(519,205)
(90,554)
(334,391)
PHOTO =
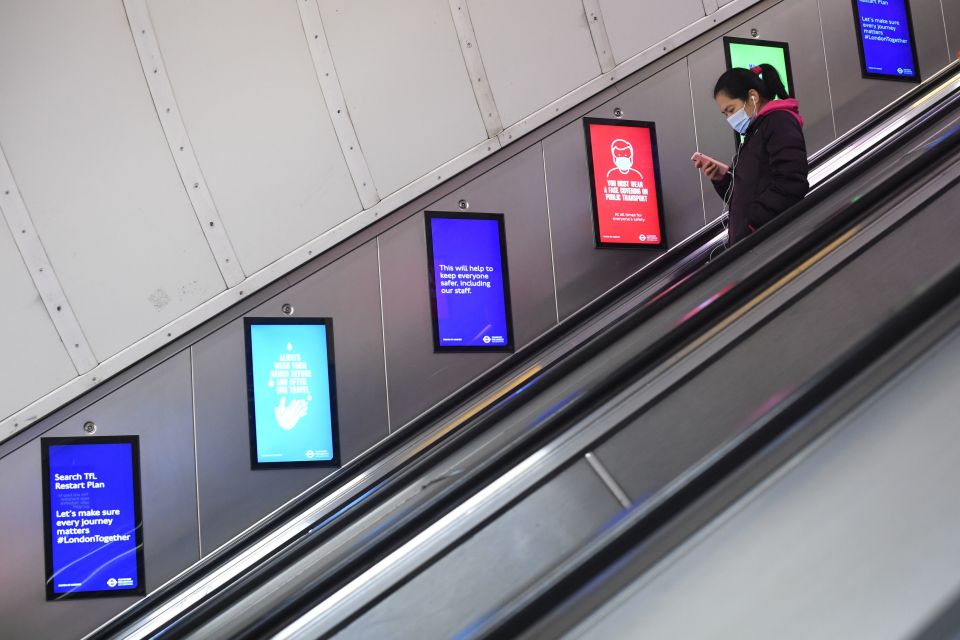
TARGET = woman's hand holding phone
(711,168)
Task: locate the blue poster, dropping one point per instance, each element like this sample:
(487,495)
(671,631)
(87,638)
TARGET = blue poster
(94,527)
(469,285)
(886,39)
(292,400)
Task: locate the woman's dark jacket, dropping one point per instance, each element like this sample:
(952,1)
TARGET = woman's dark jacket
(771,169)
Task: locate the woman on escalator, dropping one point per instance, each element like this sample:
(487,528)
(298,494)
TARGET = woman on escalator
(768,175)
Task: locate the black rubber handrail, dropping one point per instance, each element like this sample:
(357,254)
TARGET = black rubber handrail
(926,86)
(169,591)
(403,527)
(459,398)
(577,319)
(342,518)
(645,520)
(367,554)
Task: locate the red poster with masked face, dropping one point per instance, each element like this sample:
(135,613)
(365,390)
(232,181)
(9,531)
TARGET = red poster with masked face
(625,183)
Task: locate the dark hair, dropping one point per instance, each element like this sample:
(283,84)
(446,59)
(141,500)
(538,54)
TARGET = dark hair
(738,82)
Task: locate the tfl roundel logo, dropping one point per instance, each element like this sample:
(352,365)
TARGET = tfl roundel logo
(486,339)
(112,582)
(643,237)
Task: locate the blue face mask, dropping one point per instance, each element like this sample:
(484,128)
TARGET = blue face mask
(740,121)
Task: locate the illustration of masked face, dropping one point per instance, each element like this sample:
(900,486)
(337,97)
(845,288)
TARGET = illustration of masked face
(622,155)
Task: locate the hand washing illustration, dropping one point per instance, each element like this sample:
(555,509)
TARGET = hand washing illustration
(289,415)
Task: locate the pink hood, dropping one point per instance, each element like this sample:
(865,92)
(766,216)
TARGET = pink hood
(789,105)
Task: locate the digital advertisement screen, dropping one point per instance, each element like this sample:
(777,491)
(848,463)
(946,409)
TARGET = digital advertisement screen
(93,526)
(885,36)
(625,183)
(291,392)
(469,285)
(749,53)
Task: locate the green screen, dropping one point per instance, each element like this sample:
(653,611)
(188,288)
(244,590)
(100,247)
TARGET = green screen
(751,55)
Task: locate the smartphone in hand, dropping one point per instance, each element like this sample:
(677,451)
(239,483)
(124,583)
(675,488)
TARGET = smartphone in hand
(711,168)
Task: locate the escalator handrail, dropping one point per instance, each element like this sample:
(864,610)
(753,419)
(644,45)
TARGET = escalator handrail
(644,520)
(660,266)
(234,547)
(802,247)
(925,87)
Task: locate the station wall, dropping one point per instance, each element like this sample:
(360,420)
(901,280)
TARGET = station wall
(187,402)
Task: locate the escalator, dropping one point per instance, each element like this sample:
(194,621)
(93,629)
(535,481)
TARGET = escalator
(461,510)
(843,527)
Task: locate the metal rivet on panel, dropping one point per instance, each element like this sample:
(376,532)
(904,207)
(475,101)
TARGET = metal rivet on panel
(618,112)
(59,307)
(196,185)
(169,335)
(76,345)
(211,223)
(168,109)
(154,70)
(754,33)
(181,148)
(287,309)
(88,426)
(463,204)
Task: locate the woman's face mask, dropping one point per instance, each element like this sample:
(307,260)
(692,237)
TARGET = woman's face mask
(740,120)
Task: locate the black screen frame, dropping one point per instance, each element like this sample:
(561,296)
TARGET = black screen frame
(661,246)
(134,442)
(773,44)
(255,464)
(868,75)
(500,218)
(756,42)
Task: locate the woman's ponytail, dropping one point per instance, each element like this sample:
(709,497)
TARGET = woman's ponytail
(763,79)
(772,83)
